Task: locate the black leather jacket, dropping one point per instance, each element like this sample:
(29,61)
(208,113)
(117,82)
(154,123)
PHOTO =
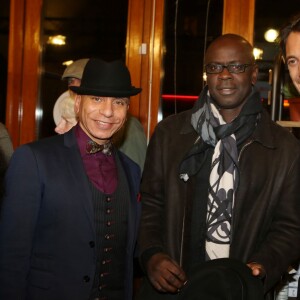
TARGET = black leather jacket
(266,217)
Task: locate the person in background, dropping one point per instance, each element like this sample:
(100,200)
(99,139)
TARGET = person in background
(130,139)
(6,147)
(220,181)
(63,112)
(6,151)
(290,46)
(70,216)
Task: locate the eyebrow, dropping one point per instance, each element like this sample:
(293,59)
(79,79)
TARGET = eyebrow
(291,56)
(227,63)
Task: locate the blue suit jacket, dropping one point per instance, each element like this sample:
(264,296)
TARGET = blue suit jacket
(47,223)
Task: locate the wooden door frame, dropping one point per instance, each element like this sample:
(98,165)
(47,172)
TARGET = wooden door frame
(145,67)
(239,20)
(23,70)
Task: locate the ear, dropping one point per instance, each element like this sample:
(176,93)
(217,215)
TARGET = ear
(77,104)
(254,74)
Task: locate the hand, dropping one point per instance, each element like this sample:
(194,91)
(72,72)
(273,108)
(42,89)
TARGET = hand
(165,274)
(257,269)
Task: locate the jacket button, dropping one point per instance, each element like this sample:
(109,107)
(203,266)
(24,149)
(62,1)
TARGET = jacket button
(92,244)
(103,274)
(108,199)
(101,287)
(86,278)
(109,236)
(107,261)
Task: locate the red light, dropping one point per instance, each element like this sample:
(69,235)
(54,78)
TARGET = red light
(179,97)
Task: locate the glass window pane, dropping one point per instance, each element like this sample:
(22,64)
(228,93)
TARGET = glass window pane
(186,37)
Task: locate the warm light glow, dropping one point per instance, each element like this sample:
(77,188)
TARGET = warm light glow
(271,35)
(204,77)
(286,103)
(258,53)
(57,40)
(67,63)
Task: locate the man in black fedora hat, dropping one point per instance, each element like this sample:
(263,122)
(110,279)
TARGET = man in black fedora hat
(70,214)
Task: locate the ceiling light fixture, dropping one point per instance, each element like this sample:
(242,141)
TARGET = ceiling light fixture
(258,53)
(58,40)
(271,35)
(67,62)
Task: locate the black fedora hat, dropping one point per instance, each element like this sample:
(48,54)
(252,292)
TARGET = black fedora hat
(107,79)
(222,279)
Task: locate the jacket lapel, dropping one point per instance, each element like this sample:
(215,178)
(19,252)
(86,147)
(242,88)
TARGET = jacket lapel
(81,186)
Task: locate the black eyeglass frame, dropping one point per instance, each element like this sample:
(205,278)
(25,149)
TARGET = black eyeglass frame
(228,67)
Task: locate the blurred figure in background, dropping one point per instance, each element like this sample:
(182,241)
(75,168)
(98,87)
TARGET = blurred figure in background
(290,46)
(64,114)
(6,151)
(63,111)
(132,141)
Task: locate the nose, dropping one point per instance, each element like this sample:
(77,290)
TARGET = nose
(225,74)
(106,107)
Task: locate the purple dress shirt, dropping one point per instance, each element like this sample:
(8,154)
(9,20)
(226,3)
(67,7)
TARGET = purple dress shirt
(100,168)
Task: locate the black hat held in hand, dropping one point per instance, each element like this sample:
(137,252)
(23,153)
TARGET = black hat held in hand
(107,79)
(222,279)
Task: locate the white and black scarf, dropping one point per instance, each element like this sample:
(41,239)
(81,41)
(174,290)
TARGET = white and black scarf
(224,173)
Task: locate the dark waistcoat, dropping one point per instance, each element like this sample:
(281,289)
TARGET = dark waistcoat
(111,212)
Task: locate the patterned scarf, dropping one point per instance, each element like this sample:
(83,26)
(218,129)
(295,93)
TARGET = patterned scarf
(224,175)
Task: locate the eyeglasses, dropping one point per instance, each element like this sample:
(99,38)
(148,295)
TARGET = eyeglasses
(232,68)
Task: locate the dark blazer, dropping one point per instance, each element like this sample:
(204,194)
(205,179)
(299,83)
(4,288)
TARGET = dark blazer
(47,229)
(266,222)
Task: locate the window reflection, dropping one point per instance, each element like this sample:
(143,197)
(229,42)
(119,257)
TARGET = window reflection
(185,27)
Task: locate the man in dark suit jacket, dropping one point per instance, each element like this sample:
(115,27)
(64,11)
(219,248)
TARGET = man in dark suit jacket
(70,214)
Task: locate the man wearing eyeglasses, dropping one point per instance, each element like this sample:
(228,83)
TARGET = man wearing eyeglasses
(220,181)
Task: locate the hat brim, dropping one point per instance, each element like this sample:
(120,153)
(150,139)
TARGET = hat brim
(223,278)
(106,92)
